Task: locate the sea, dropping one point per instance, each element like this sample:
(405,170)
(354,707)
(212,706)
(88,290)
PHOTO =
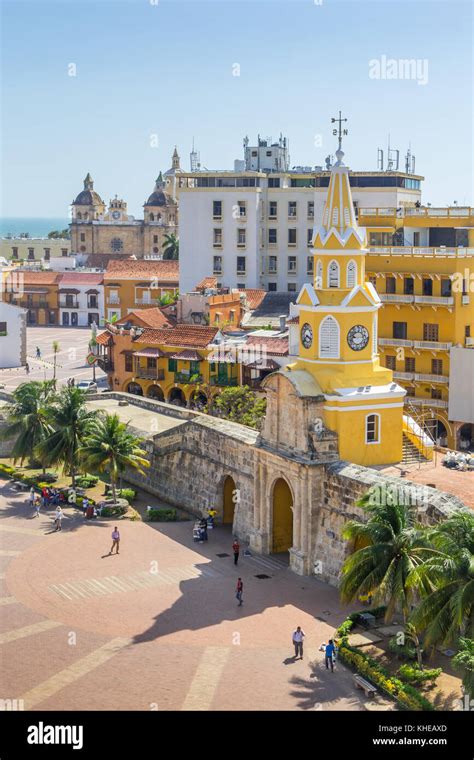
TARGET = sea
(36,227)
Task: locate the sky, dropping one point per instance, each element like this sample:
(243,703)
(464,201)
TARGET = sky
(110,87)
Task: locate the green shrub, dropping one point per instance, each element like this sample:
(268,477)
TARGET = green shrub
(80,499)
(413,674)
(124,493)
(345,628)
(161,515)
(114,511)
(404,651)
(48,477)
(87,481)
(6,469)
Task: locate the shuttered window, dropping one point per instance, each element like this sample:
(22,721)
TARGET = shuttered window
(351,274)
(333,275)
(329,339)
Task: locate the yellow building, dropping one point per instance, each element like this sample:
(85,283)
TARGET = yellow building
(37,292)
(338,321)
(428,307)
(130,283)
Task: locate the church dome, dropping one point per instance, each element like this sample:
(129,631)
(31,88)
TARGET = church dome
(158,198)
(88,196)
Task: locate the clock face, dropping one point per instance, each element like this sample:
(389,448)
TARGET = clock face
(358,337)
(116,215)
(306,335)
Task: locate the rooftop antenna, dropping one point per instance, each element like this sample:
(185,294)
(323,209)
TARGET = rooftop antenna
(393,158)
(339,132)
(409,161)
(194,159)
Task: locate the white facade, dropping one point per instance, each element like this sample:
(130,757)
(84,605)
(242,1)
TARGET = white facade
(81,299)
(461,385)
(12,336)
(275,231)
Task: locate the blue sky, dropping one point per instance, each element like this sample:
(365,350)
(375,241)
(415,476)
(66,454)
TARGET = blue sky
(166,69)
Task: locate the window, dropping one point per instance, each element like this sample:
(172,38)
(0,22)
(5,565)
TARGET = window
(467,331)
(291,209)
(390,285)
(272,264)
(31,254)
(242,206)
(128,363)
(351,274)
(272,286)
(63,251)
(373,281)
(116,244)
(83,237)
(272,209)
(408,286)
(292,236)
(291,264)
(217,265)
(319,274)
(241,264)
(372,428)
(427,286)
(172,365)
(400,330)
(155,238)
(329,338)
(333,274)
(310,209)
(309,237)
(272,236)
(430,332)
(436,366)
(69,301)
(14,253)
(274,182)
(416,239)
(151,362)
(410,391)
(410,364)
(380,239)
(217,237)
(241,238)
(92,302)
(217,209)
(309,265)
(241,286)
(52,318)
(446,288)
(390,362)
(47,254)
(291,286)
(3,328)
(194,368)
(436,393)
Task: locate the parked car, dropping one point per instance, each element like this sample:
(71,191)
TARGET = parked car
(89,386)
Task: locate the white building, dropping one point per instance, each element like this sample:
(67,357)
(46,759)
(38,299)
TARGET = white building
(253,228)
(81,299)
(12,336)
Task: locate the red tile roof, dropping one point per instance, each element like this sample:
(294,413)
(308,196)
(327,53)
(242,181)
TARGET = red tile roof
(37,278)
(104,338)
(188,354)
(152,317)
(194,336)
(81,278)
(275,346)
(207,282)
(139,269)
(254,296)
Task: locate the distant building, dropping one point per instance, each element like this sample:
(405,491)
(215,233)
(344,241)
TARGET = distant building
(130,283)
(81,299)
(35,251)
(12,336)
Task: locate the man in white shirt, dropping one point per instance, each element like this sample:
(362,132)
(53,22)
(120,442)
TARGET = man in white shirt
(298,637)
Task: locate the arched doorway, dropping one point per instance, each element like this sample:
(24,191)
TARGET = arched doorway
(466,437)
(135,388)
(155,392)
(441,433)
(282,517)
(177,397)
(229,503)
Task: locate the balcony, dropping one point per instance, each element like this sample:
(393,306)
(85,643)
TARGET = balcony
(105,364)
(396,298)
(143,302)
(68,304)
(36,305)
(396,342)
(427,378)
(113,300)
(216,380)
(435,300)
(432,345)
(184,377)
(420,252)
(404,376)
(437,403)
(146,373)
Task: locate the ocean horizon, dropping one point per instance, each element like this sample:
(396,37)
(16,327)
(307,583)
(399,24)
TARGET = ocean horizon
(38,227)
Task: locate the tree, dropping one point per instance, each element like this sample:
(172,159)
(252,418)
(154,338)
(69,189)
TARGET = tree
(27,419)
(69,418)
(56,349)
(110,447)
(446,580)
(388,547)
(464,661)
(240,404)
(170,247)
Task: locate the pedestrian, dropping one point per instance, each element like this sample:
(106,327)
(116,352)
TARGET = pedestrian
(37,506)
(236,550)
(27,368)
(45,496)
(239,591)
(297,638)
(329,655)
(85,504)
(58,516)
(115,541)
(38,352)
(32,496)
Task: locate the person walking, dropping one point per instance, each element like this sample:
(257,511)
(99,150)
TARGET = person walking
(58,516)
(236,550)
(37,506)
(115,541)
(329,654)
(298,637)
(27,368)
(239,591)
(38,352)
(32,497)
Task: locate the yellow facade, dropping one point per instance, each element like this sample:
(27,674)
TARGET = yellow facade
(338,320)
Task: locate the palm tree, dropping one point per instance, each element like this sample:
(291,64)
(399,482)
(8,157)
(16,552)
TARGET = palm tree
(170,247)
(464,660)
(27,419)
(388,547)
(110,447)
(69,418)
(447,582)
(55,352)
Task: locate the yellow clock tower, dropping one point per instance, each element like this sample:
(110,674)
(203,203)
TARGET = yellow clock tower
(338,317)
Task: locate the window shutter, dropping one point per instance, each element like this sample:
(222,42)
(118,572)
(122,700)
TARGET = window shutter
(351,274)
(329,339)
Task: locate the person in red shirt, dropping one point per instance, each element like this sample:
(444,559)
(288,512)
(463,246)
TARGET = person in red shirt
(236,550)
(239,591)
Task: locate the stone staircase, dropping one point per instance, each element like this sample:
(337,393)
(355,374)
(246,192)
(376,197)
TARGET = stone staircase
(411,455)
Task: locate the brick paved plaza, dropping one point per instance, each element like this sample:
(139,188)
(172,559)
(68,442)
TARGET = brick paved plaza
(158,626)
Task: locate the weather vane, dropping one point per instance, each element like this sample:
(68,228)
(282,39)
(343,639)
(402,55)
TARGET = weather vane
(339,132)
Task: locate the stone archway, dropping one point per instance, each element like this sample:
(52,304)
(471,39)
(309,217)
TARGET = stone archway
(282,517)
(155,392)
(177,397)
(135,388)
(229,503)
